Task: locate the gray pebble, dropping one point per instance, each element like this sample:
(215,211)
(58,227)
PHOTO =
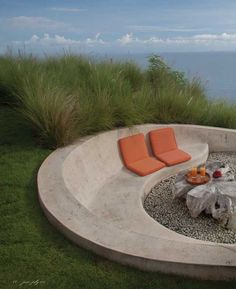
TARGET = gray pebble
(174,214)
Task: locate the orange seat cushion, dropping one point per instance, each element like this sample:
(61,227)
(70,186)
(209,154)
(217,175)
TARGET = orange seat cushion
(174,157)
(165,148)
(146,166)
(133,148)
(135,155)
(162,140)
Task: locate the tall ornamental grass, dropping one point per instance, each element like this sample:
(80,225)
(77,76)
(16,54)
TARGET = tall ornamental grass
(63,98)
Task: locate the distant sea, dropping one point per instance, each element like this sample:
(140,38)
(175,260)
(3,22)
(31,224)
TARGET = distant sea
(217,70)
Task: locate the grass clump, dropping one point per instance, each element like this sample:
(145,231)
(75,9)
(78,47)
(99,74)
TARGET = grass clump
(63,98)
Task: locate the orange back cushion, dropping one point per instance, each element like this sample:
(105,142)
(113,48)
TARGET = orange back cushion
(133,148)
(162,140)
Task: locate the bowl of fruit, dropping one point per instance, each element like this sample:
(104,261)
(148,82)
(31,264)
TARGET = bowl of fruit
(217,174)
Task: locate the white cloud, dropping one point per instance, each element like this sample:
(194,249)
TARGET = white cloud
(153,40)
(150,28)
(34,39)
(27,22)
(95,40)
(213,41)
(58,40)
(216,37)
(72,10)
(223,38)
(127,39)
(48,40)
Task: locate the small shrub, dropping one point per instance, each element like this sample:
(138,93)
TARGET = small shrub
(159,73)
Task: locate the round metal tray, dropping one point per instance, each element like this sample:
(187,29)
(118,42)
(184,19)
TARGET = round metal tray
(198,180)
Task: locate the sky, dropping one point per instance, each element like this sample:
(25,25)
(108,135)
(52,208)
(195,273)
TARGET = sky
(129,26)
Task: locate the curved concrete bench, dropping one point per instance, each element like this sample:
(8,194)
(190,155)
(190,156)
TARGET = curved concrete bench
(90,197)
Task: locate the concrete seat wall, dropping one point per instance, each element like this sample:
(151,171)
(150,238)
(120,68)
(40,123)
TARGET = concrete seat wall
(89,195)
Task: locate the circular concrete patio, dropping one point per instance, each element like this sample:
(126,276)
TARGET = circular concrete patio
(86,193)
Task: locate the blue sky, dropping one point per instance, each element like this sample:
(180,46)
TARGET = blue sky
(118,26)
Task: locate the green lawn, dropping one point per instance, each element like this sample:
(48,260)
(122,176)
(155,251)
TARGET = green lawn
(31,249)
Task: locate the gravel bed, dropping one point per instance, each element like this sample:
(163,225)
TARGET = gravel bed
(174,214)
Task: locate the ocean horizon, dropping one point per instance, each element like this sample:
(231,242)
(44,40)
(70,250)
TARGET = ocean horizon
(216,70)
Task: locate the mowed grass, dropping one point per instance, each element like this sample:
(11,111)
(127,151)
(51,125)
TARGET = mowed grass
(32,250)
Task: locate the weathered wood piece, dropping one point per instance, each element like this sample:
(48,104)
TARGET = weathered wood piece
(217,198)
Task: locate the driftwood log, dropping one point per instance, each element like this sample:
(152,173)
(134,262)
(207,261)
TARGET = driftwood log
(217,197)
